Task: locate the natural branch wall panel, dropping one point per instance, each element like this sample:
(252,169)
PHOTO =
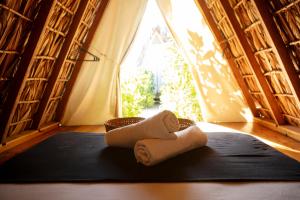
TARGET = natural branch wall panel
(267,56)
(286,15)
(69,64)
(240,24)
(227,53)
(40,68)
(86,44)
(16,18)
(240,60)
(55,84)
(18,83)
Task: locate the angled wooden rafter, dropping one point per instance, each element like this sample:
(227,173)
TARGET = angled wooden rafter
(279,49)
(38,118)
(220,39)
(86,45)
(25,63)
(266,91)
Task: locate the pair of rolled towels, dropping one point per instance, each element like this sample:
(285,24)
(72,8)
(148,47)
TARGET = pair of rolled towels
(157,138)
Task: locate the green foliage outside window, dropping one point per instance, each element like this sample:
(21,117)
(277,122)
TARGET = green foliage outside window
(137,93)
(178,93)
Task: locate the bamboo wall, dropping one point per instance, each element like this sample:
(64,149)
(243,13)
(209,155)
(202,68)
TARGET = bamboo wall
(68,65)
(240,59)
(16,22)
(39,49)
(286,15)
(263,41)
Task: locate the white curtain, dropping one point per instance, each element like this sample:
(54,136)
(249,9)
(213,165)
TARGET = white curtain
(220,98)
(94,98)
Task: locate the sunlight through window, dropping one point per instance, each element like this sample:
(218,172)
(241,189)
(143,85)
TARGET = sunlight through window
(154,74)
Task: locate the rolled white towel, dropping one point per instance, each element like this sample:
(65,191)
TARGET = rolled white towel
(152,151)
(162,125)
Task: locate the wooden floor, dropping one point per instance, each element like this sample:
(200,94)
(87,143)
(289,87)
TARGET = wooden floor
(160,191)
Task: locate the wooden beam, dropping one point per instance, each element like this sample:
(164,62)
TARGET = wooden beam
(213,26)
(26,61)
(69,85)
(263,84)
(25,141)
(39,116)
(287,130)
(279,48)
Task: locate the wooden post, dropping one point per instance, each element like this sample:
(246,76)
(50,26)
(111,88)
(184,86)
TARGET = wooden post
(266,91)
(279,48)
(236,73)
(25,62)
(38,118)
(69,85)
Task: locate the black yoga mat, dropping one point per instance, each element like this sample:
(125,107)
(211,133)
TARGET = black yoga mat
(85,157)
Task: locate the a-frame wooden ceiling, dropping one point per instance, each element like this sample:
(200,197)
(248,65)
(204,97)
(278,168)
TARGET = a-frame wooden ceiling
(40,40)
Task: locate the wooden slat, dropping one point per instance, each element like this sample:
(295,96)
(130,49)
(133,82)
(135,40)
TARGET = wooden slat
(206,13)
(287,6)
(255,92)
(65,8)
(247,75)
(271,101)
(20,122)
(274,71)
(254,24)
(239,58)
(238,4)
(221,20)
(45,57)
(9,52)
(56,31)
(38,118)
(263,51)
(292,117)
(86,45)
(279,49)
(26,61)
(15,12)
(294,43)
(290,131)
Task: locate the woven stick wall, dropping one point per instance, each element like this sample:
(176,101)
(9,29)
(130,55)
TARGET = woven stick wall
(286,14)
(246,14)
(39,72)
(16,18)
(240,60)
(68,65)
(287,17)
(55,30)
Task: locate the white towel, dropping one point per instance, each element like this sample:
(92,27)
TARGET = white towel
(152,151)
(162,125)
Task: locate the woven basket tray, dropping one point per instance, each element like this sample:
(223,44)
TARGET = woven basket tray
(120,122)
(184,123)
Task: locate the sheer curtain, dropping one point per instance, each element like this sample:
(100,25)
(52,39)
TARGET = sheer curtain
(220,98)
(94,98)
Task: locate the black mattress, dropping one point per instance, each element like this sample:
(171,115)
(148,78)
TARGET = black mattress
(71,157)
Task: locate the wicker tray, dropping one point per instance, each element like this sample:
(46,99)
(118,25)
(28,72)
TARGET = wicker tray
(120,122)
(184,123)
